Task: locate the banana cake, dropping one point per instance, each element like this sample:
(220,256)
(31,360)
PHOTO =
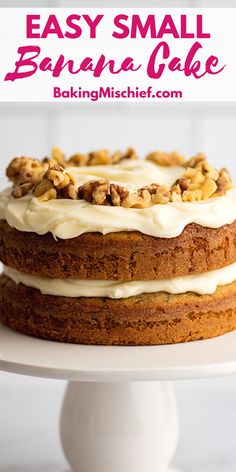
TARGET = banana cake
(104,248)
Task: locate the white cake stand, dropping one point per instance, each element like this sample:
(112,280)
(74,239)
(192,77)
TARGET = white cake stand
(119,412)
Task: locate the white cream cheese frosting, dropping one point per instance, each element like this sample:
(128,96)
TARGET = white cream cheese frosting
(67,219)
(202,284)
(132,174)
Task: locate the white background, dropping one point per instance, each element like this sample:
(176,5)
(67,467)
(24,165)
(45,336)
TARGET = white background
(220,24)
(29,407)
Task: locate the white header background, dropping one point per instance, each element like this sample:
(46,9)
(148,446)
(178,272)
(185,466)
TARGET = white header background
(220,23)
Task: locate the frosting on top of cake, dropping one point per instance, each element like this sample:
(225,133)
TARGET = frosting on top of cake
(67,218)
(202,284)
(132,174)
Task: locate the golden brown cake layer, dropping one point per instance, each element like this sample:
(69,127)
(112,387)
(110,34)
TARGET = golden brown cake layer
(145,319)
(119,256)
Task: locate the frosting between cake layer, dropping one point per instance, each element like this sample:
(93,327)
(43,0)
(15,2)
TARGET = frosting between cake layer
(202,284)
(67,219)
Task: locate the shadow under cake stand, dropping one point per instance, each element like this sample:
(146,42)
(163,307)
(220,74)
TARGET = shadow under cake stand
(119,412)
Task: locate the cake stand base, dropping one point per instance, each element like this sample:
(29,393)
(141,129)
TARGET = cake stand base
(119,427)
(119,412)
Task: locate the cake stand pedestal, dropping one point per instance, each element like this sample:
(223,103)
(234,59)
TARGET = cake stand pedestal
(119,427)
(119,412)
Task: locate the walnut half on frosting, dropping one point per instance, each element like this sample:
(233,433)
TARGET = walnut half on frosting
(167,159)
(102,192)
(25,169)
(25,173)
(200,181)
(57,183)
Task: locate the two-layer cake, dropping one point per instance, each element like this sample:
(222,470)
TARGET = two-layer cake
(111,249)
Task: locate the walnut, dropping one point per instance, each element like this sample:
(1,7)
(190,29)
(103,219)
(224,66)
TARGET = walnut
(70,191)
(209,171)
(57,184)
(141,199)
(202,179)
(223,182)
(195,184)
(130,154)
(22,189)
(200,192)
(46,160)
(194,175)
(86,191)
(64,182)
(25,169)
(177,189)
(118,157)
(183,183)
(159,193)
(192,195)
(196,160)
(176,197)
(180,185)
(78,160)
(45,191)
(102,192)
(118,194)
(57,156)
(162,196)
(200,165)
(59,177)
(152,188)
(166,159)
(208,188)
(99,158)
